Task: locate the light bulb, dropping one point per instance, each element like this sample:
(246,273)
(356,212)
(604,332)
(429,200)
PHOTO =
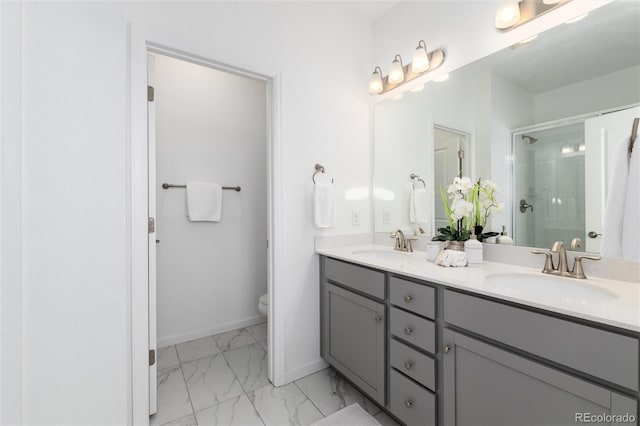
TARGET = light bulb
(396,73)
(420,61)
(507,15)
(375,84)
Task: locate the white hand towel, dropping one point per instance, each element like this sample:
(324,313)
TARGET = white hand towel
(324,213)
(630,220)
(615,206)
(418,206)
(204,202)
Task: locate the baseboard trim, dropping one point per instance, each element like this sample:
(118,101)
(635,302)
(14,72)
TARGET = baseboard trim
(174,340)
(305,370)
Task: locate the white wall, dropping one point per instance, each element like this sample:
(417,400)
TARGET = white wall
(10,219)
(76,284)
(608,91)
(211,127)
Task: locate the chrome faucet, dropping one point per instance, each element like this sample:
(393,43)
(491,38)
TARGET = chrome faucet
(563,270)
(401,244)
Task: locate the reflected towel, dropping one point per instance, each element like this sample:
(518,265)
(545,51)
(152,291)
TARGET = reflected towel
(615,206)
(630,221)
(418,206)
(204,202)
(324,212)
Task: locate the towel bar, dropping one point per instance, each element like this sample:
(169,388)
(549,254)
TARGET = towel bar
(170,185)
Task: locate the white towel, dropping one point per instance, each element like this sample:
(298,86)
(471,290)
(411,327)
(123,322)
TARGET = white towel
(324,212)
(418,206)
(204,202)
(615,206)
(630,219)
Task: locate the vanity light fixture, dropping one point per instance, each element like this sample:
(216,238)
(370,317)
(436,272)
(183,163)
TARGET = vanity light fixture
(512,14)
(567,149)
(375,84)
(420,62)
(396,73)
(582,147)
(423,62)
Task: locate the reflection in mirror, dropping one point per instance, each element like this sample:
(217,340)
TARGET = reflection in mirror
(447,144)
(560,90)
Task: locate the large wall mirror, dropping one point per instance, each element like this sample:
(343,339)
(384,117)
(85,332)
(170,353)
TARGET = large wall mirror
(540,119)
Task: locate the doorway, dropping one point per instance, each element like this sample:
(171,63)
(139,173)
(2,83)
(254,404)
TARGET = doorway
(143,236)
(209,127)
(447,144)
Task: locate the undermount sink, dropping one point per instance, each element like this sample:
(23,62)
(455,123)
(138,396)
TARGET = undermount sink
(380,254)
(541,285)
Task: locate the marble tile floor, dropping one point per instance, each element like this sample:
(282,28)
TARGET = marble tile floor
(222,380)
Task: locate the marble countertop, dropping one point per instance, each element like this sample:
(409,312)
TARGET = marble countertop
(619,306)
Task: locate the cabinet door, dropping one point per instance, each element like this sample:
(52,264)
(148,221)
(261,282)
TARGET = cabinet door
(485,385)
(353,336)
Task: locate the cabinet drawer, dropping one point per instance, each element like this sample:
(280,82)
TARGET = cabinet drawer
(413,297)
(415,330)
(362,279)
(418,366)
(608,355)
(411,403)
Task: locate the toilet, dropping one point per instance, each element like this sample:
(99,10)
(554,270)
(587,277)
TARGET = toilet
(263,304)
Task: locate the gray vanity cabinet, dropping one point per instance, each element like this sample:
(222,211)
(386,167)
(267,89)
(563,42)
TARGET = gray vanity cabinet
(485,385)
(353,338)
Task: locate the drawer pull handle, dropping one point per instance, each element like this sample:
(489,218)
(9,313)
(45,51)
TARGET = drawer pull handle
(408,403)
(408,365)
(408,330)
(446,348)
(408,298)
(378,318)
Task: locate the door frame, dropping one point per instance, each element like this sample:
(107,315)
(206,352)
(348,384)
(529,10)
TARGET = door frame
(140,44)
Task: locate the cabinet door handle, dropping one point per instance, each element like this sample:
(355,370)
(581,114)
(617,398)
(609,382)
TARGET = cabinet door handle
(408,298)
(408,365)
(446,348)
(408,330)
(408,403)
(378,318)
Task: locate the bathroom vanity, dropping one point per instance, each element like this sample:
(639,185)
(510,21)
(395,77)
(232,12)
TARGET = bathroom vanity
(447,346)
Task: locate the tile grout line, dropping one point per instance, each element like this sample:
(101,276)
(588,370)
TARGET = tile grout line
(309,399)
(242,387)
(193,411)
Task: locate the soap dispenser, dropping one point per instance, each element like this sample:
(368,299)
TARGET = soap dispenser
(503,238)
(473,249)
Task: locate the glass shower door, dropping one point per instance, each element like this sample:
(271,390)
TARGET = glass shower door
(549,185)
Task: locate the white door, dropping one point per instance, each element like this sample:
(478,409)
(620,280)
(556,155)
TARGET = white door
(602,134)
(447,143)
(151,153)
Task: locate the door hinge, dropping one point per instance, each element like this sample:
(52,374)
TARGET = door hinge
(151,93)
(151,225)
(152,357)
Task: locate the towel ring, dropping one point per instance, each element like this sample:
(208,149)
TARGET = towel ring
(414,177)
(319,169)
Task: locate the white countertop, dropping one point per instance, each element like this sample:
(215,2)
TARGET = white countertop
(620,307)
